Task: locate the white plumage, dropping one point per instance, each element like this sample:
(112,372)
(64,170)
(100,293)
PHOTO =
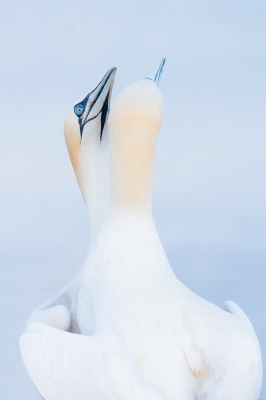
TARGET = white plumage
(90,160)
(144,335)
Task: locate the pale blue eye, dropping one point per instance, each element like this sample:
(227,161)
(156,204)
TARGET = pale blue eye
(78,109)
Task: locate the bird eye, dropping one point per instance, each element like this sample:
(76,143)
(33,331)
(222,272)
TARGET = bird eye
(78,109)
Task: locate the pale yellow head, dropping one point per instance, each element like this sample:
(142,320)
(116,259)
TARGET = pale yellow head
(134,125)
(87,140)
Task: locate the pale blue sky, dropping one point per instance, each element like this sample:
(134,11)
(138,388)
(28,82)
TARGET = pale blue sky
(210,178)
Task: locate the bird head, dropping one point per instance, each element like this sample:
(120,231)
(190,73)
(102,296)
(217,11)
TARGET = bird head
(87,141)
(89,115)
(134,124)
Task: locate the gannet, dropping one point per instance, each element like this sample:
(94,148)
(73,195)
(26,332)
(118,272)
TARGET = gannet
(144,335)
(87,140)
(185,347)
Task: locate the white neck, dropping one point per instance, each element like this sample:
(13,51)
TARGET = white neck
(91,165)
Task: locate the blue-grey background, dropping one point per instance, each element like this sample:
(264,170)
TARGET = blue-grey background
(209,185)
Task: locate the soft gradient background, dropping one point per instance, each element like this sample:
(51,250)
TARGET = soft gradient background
(209,185)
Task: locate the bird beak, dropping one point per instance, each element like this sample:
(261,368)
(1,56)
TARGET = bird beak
(156,72)
(96,102)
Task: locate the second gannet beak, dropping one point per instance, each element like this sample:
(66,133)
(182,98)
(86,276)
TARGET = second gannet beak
(156,72)
(96,102)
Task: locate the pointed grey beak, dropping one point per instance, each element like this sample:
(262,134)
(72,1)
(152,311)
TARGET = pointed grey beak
(156,72)
(96,102)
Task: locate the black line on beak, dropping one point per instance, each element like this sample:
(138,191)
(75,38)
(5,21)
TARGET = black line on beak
(104,114)
(81,126)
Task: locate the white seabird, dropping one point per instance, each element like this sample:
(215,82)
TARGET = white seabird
(87,139)
(144,335)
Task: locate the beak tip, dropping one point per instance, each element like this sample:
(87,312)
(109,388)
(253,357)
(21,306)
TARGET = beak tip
(156,72)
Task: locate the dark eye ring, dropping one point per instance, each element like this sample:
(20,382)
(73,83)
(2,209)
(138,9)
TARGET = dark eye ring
(78,109)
